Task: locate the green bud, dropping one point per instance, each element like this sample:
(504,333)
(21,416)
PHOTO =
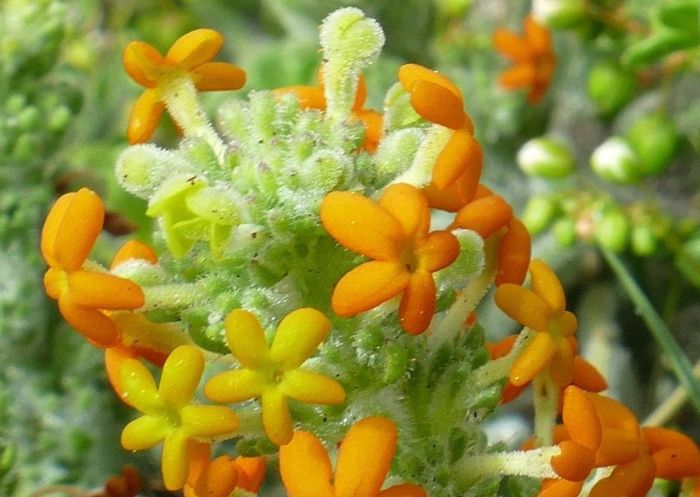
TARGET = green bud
(610,87)
(565,231)
(398,112)
(643,240)
(655,140)
(545,157)
(28,118)
(59,119)
(614,160)
(538,213)
(612,230)
(325,170)
(688,260)
(560,14)
(396,363)
(141,169)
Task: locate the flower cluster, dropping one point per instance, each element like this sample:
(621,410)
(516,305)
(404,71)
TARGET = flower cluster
(315,353)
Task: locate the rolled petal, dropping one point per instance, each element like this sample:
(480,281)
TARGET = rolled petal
(544,282)
(523,305)
(297,337)
(134,250)
(410,73)
(312,388)
(246,338)
(367,286)
(218,76)
(520,76)
(511,45)
(90,323)
(310,97)
(360,471)
(403,490)
(663,438)
(55,282)
(236,386)
(587,377)
(181,374)
(461,155)
(195,48)
(409,206)
(305,467)
(276,418)
(208,423)
(71,228)
(104,291)
(139,387)
(633,479)
(561,366)
(439,250)
(486,215)
(361,225)
(575,461)
(143,63)
(144,432)
(251,472)
(581,419)
(437,104)
(532,360)
(677,463)
(175,461)
(418,303)
(144,117)
(514,254)
(219,479)
(614,414)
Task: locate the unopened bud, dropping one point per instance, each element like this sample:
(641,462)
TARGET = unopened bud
(610,87)
(655,140)
(560,14)
(546,158)
(614,160)
(538,213)
(612,229)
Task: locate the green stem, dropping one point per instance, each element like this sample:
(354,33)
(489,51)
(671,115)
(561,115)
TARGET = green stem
(546,399)
(532,463)
(671,405)
(498,369)
(679,362)
(170,296)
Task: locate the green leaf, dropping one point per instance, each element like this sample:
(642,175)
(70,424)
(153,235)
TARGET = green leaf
(659,45)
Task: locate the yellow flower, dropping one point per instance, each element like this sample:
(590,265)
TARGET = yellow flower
(189,56)
(169,415)
(273,373)
(364,459)
(541,309)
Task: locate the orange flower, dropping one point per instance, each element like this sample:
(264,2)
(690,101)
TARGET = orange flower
(189,56)
(394,233)
(70,231)
(313,97)
(221,476)
(532,55)
(363,462)
(541,309)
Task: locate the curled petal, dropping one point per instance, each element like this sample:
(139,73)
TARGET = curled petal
(195,48)
(144,63)
(408,206)
(439,250)
(532,360)
(246,338)
(144,117)
(218,76)
(235,386)
(208,423)
(403,490)
(486,215)
(587,377)
(575,461)
(277,420)
(360,471)
(305,467)
(133,249)
(455,196)
(520,76)
(663,438)
(251,472)
(544,282)
(581,419)
(181,374)
(312,388)
(89,322)
(617,447)
(367,286)
(633,479)
(614,414)
(514,254)
(144,432)
(438,105)
(297,337)
(104,291)
(361,225)
(511,45)
(175,460)
(461,155)
(418,303)
(218,479)
(523,305)
(71,228)
(675,464)
(410,73)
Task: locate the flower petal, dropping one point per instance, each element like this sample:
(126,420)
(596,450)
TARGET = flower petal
(144,117)
(359,224)
(677,463)
(360,471)
(71,228)
(409,206)
(537,37)
(276,418)
(218,76)
(140,387)
(461,155)
(561,365)
(662,438)
(486,215)
(297,337)
(175,460)
(544,282)
(134,250)
(312,388)
(114,359)
(305,467)
(218,479)
(511,45)
(437,104)
(235,386)
(181,374)
(523,305)
(104,291)
(587,377)
(195,48)
(403,490)
(246,338)
(410,73)
(418,303)
(439,250)
(144,432)
(89,322)
(367,286)
(310,97)
(520,76)
(143,63)
(575,461)
(514,254)
(581,419)
(208,423)
(633,479)
(251,472)
(532,360)
(561,488)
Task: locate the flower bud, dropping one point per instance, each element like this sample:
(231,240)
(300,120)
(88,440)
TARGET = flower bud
(643,240)
(614,160)
(612,229)
(560,14)
(688,260)
(565,231)
(546,158)
(538,213)
(610,87)
(655,140)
